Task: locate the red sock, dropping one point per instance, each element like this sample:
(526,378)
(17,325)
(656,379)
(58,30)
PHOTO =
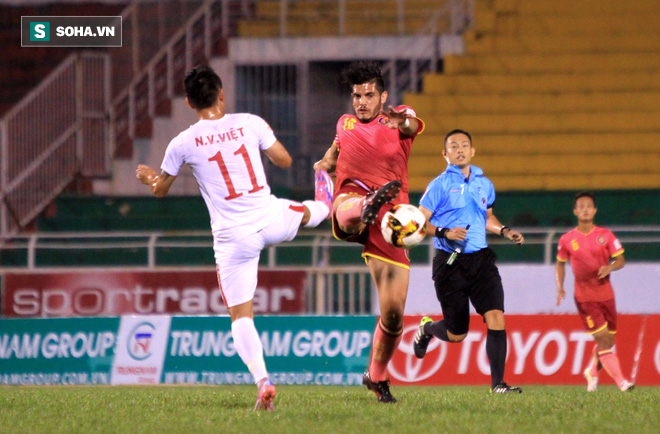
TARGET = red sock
(384,344)
(611,364)
(348,213)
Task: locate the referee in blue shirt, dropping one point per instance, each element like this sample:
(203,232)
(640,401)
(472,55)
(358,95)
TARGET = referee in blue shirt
(458,206)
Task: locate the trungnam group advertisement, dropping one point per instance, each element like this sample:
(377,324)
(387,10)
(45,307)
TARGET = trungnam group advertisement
(162,349)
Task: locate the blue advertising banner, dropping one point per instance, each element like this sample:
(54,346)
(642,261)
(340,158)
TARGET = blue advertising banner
(154,349)
(57,351)
(298,350)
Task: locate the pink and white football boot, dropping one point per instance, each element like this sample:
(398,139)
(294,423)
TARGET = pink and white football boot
(324,189)
(266,396)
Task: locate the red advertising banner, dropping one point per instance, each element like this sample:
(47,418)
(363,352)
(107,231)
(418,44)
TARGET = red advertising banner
(542,349)
(117,293)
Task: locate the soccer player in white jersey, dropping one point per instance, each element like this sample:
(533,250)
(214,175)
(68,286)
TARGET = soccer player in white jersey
(224,152)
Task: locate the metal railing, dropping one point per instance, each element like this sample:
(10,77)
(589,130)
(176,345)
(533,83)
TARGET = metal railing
(313,248)
(58,130)
(336,282)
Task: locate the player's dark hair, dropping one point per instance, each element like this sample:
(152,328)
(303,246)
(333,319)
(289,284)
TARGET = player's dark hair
(457,131)
(365,71)
(588,194)
(202,86)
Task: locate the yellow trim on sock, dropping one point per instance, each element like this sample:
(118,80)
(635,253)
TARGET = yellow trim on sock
(388,331)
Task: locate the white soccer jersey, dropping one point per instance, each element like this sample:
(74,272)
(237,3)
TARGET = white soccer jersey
(225,158)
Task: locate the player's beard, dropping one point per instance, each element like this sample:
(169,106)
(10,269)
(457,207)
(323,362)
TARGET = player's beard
(373,116)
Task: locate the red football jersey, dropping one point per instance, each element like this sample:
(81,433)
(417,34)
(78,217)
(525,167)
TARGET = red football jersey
(587,254)
(374,153)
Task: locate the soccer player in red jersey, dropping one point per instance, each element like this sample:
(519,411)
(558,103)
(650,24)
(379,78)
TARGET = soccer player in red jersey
(370,159)
(590,248)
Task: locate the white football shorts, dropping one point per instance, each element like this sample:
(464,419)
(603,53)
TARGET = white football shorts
(237,261)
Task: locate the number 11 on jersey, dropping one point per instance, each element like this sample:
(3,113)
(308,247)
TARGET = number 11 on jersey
(242,151)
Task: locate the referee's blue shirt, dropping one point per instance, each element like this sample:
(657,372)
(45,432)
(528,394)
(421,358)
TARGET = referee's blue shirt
(456,201)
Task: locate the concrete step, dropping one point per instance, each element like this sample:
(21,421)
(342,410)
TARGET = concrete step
(354,9)
(441,84)
(574,182)
(613,122)
(491,44)
(369,26)
(512,24)
(520,64)
(431,145)
(576,7)
(430,104)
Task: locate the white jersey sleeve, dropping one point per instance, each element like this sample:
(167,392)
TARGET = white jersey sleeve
(264,133)
(173,159)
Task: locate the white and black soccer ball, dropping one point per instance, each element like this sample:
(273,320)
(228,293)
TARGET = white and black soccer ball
(404,226)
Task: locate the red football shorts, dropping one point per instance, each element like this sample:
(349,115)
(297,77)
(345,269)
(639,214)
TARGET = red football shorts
(597,315)
(371,237)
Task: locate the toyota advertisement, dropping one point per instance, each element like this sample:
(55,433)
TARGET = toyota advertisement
(542,349)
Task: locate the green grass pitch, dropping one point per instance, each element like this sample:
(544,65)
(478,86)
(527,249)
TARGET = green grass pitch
(304,409)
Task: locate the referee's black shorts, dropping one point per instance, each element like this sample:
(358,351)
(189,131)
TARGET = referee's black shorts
(473,277)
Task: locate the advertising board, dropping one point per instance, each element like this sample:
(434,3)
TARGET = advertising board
(112,293)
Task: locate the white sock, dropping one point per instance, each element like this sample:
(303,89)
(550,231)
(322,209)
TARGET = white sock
(318,211)
(249,348)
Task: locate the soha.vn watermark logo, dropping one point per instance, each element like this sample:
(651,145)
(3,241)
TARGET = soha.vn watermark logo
(139,340)
(40,31)
(71,31)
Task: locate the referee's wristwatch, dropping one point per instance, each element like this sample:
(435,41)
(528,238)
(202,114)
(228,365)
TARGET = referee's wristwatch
(441,232)
(502,230)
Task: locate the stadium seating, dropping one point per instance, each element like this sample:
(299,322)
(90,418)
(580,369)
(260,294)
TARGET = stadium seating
(558,94)
(312,18)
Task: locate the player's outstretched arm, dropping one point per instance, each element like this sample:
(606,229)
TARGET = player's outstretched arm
(329,160)
(403,121)
(158,184)
(278,155)
(560,273)
(494,226)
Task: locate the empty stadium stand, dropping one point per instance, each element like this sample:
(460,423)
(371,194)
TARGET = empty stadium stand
(558,95)
(313,18)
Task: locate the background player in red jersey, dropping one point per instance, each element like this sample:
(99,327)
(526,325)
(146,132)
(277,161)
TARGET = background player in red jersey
(590,248)
(370,158)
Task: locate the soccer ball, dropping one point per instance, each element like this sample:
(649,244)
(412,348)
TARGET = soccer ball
(403,226)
